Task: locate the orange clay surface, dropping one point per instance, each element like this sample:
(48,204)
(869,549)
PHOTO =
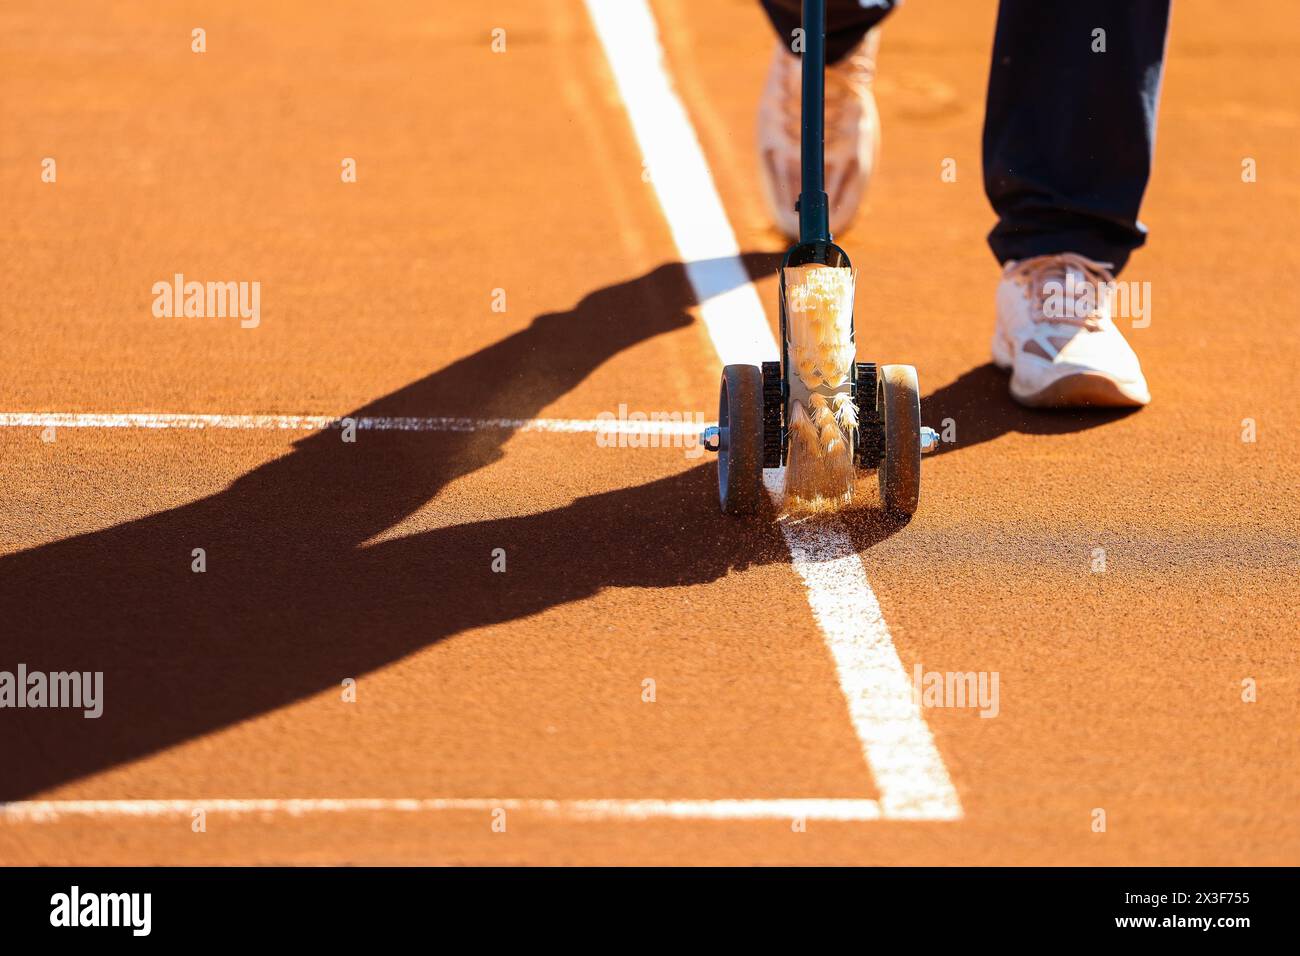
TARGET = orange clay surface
(1120,689)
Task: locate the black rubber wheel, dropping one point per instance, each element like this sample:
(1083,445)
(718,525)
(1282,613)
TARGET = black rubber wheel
(740,444)
(899,400)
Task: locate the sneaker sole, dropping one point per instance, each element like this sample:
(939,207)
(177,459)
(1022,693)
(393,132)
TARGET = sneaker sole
(1084,390)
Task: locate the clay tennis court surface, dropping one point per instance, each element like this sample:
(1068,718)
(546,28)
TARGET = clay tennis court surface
(484,696)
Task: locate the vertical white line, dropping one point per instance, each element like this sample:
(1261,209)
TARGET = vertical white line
(897,743)
(683,183)
(895,740)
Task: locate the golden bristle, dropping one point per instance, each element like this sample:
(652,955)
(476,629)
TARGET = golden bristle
(837,365)
(846,412)
(801,426)
(819,468)
(805,364)
(819,319)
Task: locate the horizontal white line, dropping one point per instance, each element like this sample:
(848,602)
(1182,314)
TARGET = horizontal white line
(662,426)
(835,808)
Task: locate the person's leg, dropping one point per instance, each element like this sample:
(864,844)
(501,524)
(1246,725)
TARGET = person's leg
(852,123)
(1069,130)
(1068,137)
(847,21)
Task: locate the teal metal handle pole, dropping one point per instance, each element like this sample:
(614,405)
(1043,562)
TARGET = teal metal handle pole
(814,206)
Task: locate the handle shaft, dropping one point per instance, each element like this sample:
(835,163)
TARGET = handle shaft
(814,206)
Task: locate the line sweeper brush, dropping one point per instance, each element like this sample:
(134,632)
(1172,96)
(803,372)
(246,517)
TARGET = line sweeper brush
(818,411)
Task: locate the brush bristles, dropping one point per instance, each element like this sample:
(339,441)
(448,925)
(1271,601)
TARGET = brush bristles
(846,412)
(819,468)
(819,314)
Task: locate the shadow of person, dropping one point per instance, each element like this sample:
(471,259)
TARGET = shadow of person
(981,409)
(293,599)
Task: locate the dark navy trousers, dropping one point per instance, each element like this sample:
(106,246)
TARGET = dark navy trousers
(1069,128)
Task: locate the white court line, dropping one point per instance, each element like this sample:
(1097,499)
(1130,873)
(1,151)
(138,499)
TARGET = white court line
(683,183)
(896,742)
(363,423)
(47,811)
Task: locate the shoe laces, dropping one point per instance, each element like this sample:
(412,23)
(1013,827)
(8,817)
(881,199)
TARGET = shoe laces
(1037,273)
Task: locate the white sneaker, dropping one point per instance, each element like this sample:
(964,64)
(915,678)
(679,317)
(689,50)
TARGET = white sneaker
(1056,335)
(852,134)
